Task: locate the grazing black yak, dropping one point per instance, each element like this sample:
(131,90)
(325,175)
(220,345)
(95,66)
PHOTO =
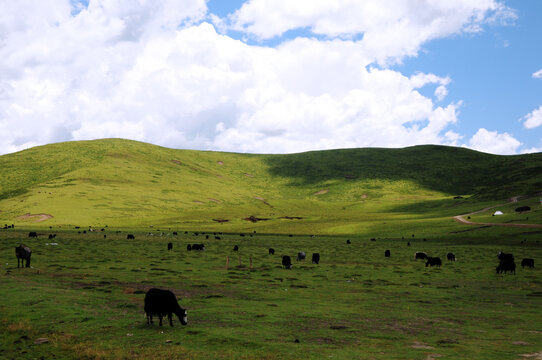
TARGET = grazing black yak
(450,256)
(170,246)
(23,252)
(286,262)
(199,247)
(348,242)
(189,247)
(387,253)
(161,303)
(301,256)
(527,262)
(506,266)
(420,255)
(523,208)
(504,257)
(271,251)
(130,237)
(315,258)
(236,248)
(433,261)
(33,234)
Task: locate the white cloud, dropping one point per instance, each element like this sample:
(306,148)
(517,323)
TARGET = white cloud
(153,71)
(533,119)
(390,29)
(538,74)
(531,150)
(494,142)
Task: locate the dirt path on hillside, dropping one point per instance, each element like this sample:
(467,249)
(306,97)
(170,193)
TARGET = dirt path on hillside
(35,217)
(462,220)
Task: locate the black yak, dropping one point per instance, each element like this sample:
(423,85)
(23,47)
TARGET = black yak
(301,256)
(433,261)
(450,256)
(506,266)
(130,237)
(504,257)
(527,262)
(170,246)
(271,251)
(387,253)
(420,255)
(161,303)
(23,252)
(286,262)
(236,248)
(315,258)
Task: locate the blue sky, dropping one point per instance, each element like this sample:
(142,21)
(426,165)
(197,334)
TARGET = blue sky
(273,76)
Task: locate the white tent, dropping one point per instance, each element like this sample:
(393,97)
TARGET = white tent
(498,212)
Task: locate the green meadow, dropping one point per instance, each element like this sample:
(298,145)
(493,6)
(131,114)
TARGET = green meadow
(84,291)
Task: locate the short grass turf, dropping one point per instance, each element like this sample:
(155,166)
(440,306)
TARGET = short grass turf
(85,296)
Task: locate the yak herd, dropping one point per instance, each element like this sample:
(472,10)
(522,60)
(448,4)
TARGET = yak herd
(163,303)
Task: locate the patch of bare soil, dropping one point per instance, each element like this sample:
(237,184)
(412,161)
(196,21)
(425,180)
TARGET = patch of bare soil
(321,192)
(364,196)
(262,200)
(254,219)
(176,162)
(221,220)
(220,163)
(198,202)
(214,200)
(248,175)
(420,345)
(35,217)
(533,356)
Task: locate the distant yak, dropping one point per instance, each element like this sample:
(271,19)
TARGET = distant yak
(433,261)
(315,258)
(23,252)
(420,255)
(286,262)
(527,262)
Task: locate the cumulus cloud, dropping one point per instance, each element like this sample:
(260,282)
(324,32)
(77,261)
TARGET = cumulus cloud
(538,74)
(156,71)
(533,119)
(389,29)
(494,142)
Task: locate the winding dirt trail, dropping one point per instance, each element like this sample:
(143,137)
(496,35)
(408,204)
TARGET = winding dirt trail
(461,219)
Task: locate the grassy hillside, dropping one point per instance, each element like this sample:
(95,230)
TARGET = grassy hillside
(125,183)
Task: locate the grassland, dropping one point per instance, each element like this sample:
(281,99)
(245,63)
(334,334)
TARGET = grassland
(123,183)
(85,294)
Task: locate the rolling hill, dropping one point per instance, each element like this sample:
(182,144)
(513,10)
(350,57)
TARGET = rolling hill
(123,183)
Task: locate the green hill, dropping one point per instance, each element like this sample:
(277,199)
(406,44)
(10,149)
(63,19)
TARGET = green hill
(122,183)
